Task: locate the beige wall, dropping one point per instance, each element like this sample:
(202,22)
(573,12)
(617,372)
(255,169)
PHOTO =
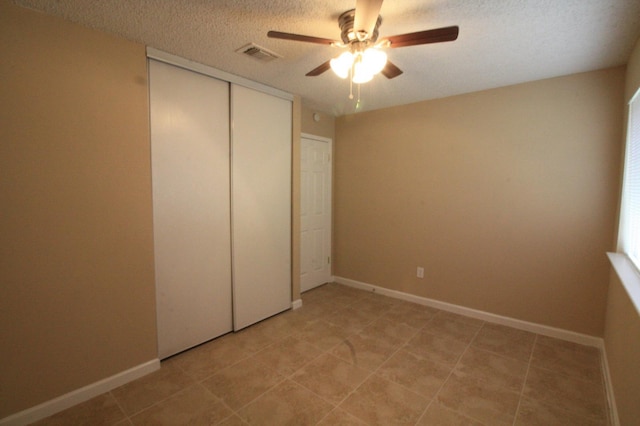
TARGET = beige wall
(77,301)
(506,197)
(325,127)
(622,326)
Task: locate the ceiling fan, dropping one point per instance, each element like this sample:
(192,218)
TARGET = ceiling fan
(363,56)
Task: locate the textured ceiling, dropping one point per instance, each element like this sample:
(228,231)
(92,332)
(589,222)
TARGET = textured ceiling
(501,42)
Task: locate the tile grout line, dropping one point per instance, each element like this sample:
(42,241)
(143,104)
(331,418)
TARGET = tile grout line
(451,373)
(130,416)
(570,377)
(289,376)
(160,401)
(365,379)
(179,391)
(200,381)
(436,394)
(328,352)
(284,379)
(370,374)
(126,416)
(526,377)
(221,401)
(402,347)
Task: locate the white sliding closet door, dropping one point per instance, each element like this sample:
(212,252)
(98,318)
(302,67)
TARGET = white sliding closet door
(261,205)
(191,210)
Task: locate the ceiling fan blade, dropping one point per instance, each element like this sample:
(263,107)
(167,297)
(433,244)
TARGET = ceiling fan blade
(437,35)
(319,70)
(367,12)
(298,37)
(390,70)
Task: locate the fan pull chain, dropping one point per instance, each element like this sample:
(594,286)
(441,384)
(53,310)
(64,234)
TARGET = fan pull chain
(351,83)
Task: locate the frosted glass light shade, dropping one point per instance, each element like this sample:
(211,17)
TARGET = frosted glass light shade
(342,64)
(374,60)
(360,73)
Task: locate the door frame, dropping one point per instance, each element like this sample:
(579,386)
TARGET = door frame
(329,141)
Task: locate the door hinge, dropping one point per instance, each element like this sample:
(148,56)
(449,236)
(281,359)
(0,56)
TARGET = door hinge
(328,259)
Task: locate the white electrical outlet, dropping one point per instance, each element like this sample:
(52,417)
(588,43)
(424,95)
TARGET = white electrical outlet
(420,272)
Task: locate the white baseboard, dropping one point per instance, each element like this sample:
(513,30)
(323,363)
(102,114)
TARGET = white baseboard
(296,304)
(77,396)
(545,330)
(611,399)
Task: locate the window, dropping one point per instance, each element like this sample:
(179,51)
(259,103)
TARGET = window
(630,210)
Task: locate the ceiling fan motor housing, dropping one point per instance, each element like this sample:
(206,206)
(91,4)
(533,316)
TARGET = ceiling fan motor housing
(348,35)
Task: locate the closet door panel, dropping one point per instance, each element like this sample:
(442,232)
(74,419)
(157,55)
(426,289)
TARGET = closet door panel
(191,205)
(261,205)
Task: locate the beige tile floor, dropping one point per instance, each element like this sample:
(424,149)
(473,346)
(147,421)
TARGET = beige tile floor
(350,357)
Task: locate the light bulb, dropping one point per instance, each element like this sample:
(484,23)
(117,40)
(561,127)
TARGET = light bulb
(374,60)
(342,64)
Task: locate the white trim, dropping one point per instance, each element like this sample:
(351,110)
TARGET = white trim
(316,138)
(633,98)
(614,420)
(77,396)
(215,73)
(628,274)
(296,304)
(545,330)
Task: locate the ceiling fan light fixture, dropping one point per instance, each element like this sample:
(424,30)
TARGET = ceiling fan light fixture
(362,66)
(365,58)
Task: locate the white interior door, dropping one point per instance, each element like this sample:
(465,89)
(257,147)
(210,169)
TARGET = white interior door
(261,205)
(315,212)
(191,206)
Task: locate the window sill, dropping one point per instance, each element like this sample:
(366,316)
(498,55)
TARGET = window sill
(628,275)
